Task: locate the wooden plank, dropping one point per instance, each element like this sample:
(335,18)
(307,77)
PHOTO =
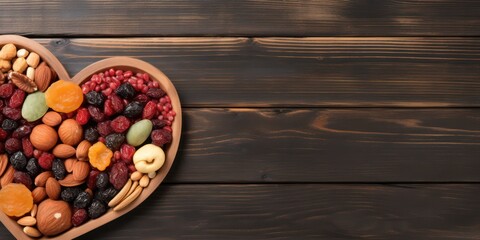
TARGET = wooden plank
(328,145)
(305,211)
(325,72)
(242,18)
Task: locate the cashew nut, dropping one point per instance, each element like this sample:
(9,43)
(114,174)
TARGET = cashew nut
(149,158)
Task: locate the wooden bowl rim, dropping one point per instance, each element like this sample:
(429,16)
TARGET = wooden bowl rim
(123,63)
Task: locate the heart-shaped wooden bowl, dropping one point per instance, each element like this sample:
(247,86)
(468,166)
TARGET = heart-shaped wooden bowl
(123,63)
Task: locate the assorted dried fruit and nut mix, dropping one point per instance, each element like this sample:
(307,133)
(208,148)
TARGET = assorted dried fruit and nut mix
(68,153)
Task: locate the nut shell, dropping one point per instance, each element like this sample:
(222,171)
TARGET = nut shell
(70,132)
(53,217)
(43,137)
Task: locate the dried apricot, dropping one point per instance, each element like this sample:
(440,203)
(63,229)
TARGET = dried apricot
(100,156)
(16,200)
(64,96)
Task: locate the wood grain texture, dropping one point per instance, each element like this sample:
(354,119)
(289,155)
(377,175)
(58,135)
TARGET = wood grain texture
(328,145)
(306,211)
(308,72)
(242,18)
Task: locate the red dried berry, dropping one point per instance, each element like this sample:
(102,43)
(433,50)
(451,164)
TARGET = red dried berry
(2,147)
(104,128)
(131,168)
(156,93)
(108,108)
(92,179)
(79,217)
(6,90)
(23,178)
(141,98)
(120,124)
(126,153)
(158,124)
(161,137)
(118,175)
(27,147)
(12,113)
(13,145)
(117,103)
(96,114)
(22,131)
(3,134)
(17,99)
(45,160)
(149,110)
(82,116)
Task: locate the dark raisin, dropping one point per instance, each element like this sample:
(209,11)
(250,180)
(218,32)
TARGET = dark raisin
(91,134)
(58,169)
(156,93)
(106,195)
(18,161)
(133,110)
(158,124)
(114,141)
(102,180)
(142,98)
(9,124)
(82,200)
(33,167)
(119,175)
(96,209)
(79,217)
(95,98)
(70,194)
(125,91)
(96,114)
(23,178)
(22,131)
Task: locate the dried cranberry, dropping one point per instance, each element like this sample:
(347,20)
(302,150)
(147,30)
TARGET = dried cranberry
(91,134)
(23,178)
(104,128)
(6,90)
(9,124)
(92,179)
(156,93)
(12,113)
(18,161)
(45,160)
(161,137)
(17,99)
(12,145)
(117,103)
(3,134)
(126,153)
(108,108)
(149,110)
(96,114)
(118,175)
(142,98)
(158,124)
(27,147)
(82,116)
(79,217)
(120,124)
(37,153)
(22,131)
(114,141)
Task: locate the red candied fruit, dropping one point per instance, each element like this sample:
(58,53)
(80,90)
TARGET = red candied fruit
(45,160)
(17,99)
(120,124)
(82,116)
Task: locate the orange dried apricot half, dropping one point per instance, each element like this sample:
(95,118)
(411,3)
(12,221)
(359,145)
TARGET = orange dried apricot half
(16,200)
(64,96)
(100,156)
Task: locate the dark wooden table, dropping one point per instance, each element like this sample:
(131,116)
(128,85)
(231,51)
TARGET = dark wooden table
(302,119)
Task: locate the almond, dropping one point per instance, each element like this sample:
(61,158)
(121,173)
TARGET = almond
(70,132)
(33,213)
(27,221)
(63,151)
(52,118)
(53,188)
(43,76)
(82,150)
(7,177)
(69,164)
(32,232)
(42,178)
(38,194)
(3,163)
(43,137)
(81,170)
(69,181)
